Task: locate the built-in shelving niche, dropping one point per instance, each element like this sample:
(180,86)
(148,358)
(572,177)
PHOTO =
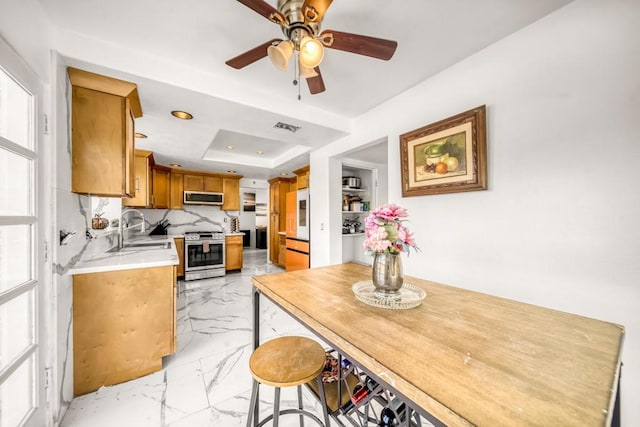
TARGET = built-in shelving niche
(353,219)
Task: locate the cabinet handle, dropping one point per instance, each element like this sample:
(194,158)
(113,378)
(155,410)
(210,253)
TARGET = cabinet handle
(137,183)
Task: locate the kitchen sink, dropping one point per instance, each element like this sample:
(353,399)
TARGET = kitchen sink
(142,246)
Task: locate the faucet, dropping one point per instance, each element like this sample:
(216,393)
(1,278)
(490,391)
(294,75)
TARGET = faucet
(121,227)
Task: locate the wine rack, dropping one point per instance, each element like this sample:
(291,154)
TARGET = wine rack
(355,399)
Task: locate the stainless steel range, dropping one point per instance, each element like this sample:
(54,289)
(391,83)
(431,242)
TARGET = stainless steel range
(204,254)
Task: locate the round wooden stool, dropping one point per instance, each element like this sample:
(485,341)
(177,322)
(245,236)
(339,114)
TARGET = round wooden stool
(287,362)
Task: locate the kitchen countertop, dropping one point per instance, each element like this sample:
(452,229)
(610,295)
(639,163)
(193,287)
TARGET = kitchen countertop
(130,258)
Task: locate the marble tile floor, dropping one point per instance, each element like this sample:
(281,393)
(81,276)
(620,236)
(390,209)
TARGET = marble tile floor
(207,381)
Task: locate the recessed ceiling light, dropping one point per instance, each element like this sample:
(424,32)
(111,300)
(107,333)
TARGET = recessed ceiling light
(140,135)
(182,115)
(231,171)
(229,147)
(175,165)
(260,152)
(283,174)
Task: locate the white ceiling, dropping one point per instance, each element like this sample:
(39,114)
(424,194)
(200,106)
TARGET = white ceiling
(176,53)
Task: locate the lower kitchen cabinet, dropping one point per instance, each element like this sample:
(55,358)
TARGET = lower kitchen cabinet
(179,242)
(233,253)
(124,322)
(297,257)
(282,250)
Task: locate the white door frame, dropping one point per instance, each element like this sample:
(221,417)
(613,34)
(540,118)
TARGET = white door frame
(11,62)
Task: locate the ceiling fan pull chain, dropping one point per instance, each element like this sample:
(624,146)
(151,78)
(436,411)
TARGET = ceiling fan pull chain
(296,77)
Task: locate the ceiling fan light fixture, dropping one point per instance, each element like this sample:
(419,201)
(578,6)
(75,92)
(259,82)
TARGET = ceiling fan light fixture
(311,52)
(307,72)
(280,54)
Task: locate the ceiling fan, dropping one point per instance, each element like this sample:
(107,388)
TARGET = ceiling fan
(300,22)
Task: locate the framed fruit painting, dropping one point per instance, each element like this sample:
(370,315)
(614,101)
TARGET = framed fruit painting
(448,156)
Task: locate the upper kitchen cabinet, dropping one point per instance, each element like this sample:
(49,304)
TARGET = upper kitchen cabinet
(102,134)
(211,184)
(142,179)
(160,185)
(302,175)
(176,190)
(231,190)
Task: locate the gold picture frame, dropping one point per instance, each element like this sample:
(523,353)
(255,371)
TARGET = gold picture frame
(448,156)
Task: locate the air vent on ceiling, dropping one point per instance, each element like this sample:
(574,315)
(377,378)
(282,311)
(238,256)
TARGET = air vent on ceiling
(286,126)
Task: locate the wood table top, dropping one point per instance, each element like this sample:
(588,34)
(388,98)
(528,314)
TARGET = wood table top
(465,357)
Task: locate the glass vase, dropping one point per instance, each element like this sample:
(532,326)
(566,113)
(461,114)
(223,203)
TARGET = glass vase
(387,275)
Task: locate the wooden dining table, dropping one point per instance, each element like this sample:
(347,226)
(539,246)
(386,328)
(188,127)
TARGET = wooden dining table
(462,358)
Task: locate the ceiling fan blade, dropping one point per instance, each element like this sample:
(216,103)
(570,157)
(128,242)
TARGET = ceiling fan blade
(250,56)
(314,10)
(362,45)
(315,83)
(264,9)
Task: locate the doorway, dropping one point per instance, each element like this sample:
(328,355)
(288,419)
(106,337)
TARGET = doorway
(22,338)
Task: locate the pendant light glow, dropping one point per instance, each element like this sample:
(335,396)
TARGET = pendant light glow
(311,52)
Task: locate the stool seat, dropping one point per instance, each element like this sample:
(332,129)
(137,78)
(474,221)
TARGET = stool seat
(287,361)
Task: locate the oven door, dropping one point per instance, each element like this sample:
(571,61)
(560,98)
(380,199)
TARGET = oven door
(200,257)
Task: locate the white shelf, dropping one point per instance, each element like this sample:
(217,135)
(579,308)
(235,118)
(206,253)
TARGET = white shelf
(355,212)
(354,190)
(352,234)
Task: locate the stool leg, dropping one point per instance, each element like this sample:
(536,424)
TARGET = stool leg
(276,406)
(300,405)
(252,404)
(323,401)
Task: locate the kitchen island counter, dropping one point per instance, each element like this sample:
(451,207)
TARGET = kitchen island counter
(462,357)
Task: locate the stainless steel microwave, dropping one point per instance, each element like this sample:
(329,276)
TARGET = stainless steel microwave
(203,198)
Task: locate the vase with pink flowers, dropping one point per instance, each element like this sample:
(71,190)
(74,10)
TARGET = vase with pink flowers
(386,238)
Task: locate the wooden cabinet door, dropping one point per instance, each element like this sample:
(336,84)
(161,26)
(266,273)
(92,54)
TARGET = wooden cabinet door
(176,190)
(130,152)
(212,184)
(102,134)
(290,219)
(274,220)
(142,172)
(160,189)
(98,148)
(179,242)
(231,189)
(282,250)
(303,181)
(274,198)
(233,253)
(107,307)
(193,183)
(285,187)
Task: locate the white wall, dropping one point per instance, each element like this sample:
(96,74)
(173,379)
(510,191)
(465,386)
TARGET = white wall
(558,226)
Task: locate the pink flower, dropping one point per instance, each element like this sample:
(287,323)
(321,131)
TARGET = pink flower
(386,233)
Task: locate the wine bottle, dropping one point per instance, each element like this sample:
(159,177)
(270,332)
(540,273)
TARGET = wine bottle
(393,414)
(372,385)
(350,403)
